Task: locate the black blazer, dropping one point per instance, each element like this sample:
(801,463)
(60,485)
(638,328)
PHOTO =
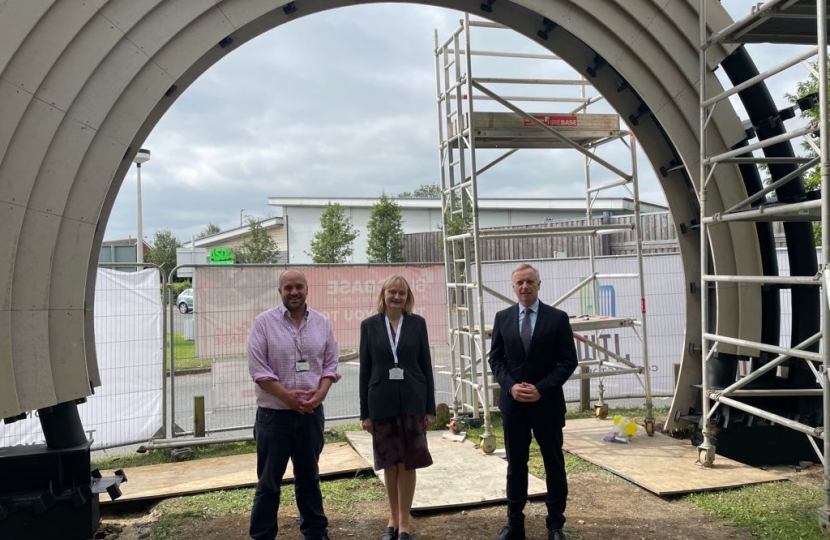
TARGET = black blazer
(381,397)
(548,364)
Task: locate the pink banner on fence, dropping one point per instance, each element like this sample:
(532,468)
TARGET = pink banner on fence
(227,299)
(348,299)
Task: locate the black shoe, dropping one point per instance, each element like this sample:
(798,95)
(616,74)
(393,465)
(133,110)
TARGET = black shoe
(404,536)
(389,533)
(557,534)
(510,533)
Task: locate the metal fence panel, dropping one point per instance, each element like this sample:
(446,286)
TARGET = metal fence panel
(209,343)
(213,363)
(127,408)
(619,297)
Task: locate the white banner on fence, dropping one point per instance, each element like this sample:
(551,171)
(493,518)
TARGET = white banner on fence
(617,297)
(127,408)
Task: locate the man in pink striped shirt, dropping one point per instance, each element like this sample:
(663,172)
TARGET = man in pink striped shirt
(292,358)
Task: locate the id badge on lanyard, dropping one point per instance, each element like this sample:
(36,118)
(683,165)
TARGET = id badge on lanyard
(395,373)
(302,364)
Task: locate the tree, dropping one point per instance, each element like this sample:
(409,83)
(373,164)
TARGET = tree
(259,246)
(210,230)
(385,242)
(332,244)
(812,178)
(426,191)
(164,250)
(457,224)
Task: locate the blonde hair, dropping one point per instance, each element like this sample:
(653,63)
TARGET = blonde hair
(396,279)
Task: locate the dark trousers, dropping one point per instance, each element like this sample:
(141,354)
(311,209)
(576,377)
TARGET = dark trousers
(281,435)
(519,422)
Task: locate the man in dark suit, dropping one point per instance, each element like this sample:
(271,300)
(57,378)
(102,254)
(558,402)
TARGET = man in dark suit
(532,354)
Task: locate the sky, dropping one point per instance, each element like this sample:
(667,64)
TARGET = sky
(342,104)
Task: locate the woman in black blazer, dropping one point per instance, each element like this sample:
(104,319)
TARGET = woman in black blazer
(397,397)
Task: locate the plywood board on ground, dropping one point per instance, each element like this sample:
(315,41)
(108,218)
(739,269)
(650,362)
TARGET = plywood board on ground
(201,475)
(660,464)
(461,475)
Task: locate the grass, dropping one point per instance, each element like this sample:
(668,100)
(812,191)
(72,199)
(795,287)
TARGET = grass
(184,352)
(765,511)
(768,511)
(156,457)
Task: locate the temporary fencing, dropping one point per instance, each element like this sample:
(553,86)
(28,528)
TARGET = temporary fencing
(207,347)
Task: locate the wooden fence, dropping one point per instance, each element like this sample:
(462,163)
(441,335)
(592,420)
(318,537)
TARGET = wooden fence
(659,236)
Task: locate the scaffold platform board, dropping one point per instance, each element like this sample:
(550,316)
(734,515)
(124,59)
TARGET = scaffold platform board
(660,464)
(151,482)
(784,21)
(583,323)
(511,130)
(475,477)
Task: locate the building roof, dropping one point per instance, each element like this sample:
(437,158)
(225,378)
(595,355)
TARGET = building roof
(575,203)
(120,242)
(125,242)
(269,223)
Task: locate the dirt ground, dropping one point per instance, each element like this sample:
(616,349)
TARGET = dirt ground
(599,508)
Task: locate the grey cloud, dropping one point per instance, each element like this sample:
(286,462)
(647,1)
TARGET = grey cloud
(336,104)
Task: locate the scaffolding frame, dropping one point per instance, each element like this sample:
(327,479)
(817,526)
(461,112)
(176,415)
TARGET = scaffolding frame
(785,22)
(456,91)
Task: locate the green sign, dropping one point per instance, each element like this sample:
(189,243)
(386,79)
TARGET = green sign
(222,256)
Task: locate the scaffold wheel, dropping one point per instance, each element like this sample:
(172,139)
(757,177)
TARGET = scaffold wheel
(705,456)
(488,443)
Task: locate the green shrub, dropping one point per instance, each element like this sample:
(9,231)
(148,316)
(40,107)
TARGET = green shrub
(177,287)
(180,286)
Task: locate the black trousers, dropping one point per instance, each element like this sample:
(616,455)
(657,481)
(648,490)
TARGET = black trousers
(280,436)
(520,420)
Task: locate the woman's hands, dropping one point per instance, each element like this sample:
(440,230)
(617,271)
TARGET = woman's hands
(368,426)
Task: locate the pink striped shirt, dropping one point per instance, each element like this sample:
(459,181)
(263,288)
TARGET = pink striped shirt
(276,344)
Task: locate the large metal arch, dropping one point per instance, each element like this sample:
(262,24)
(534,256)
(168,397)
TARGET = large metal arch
(83,82)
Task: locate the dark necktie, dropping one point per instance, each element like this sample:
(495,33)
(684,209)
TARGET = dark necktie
(527,330)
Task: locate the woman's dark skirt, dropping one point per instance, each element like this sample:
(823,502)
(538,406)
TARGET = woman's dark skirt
(401,439)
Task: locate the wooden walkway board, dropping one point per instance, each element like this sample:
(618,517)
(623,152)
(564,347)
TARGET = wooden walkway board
(461,475)
(660,464)
(213,474)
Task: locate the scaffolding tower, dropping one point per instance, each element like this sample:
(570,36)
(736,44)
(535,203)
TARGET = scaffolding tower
(784,22)
(462,132)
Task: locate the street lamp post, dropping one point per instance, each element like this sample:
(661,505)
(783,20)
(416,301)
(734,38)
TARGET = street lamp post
(142,156)
(240,217)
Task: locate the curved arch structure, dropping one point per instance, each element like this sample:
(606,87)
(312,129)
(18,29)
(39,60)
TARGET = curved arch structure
(82,84)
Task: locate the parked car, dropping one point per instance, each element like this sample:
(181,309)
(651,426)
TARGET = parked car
(185,301)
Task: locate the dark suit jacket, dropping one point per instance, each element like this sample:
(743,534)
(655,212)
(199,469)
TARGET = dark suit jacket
(384,398)
(548,364)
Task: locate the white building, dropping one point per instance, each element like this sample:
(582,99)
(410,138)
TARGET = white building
(234,238)
(301,216)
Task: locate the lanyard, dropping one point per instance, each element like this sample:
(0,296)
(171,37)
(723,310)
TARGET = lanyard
(299,344)
(394,341)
